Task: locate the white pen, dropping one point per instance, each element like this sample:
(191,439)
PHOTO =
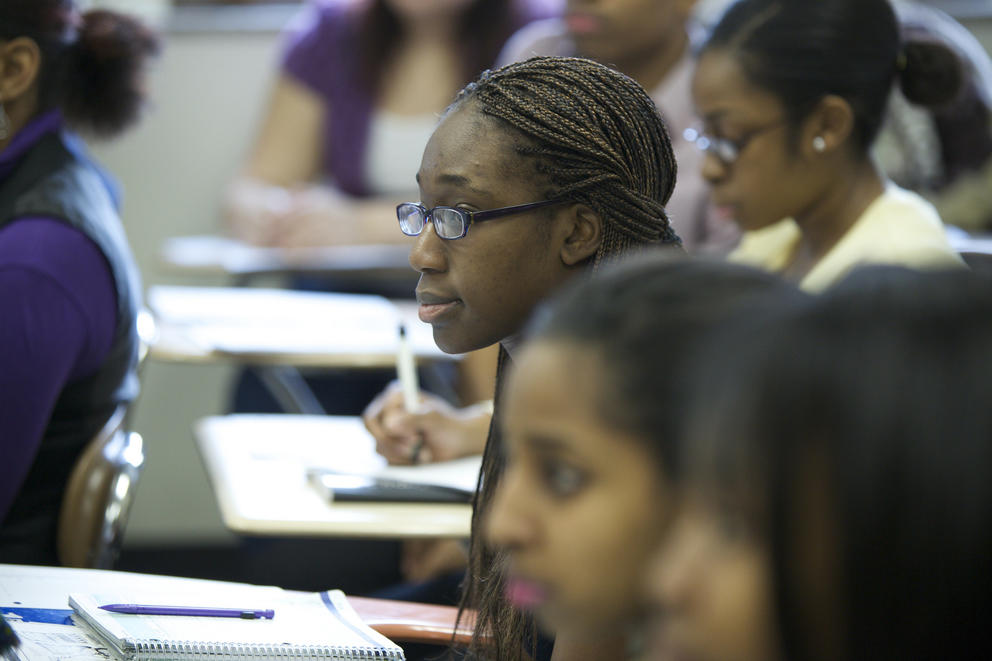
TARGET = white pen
(406,370)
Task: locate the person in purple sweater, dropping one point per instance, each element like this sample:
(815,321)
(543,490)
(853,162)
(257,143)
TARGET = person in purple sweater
(360,88)
(69,288)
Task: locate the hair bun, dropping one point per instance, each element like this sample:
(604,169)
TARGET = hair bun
(930,74)
(104,87)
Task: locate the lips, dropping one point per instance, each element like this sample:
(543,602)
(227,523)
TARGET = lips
(525,594)
(433,306)
(725,211)
(582,24)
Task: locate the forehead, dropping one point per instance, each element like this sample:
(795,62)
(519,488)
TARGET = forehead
(471,151)
(559,371)
(720,86)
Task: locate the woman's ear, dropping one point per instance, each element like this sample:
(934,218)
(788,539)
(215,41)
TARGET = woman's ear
(20,61)
(828,127)
(583,234)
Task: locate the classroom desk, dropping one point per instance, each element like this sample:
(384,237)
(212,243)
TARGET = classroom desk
(965,242)
(281,331)
(29,587)
(264,326)
(218,255)
(257,466)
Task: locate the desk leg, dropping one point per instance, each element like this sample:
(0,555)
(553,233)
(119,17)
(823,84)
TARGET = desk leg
(290,390)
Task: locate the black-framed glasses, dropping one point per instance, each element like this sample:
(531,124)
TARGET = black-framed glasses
(453,223)
(727,151)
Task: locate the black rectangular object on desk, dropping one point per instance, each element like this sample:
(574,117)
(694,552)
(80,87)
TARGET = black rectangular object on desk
(344,487)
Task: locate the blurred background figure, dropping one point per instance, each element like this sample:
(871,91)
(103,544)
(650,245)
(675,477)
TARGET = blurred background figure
(838,505)
(942,152)
(361,86)
(69,287)
(791,96)
(652,42)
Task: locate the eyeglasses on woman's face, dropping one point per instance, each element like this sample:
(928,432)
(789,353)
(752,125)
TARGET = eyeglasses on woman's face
(726,150)
(453,223)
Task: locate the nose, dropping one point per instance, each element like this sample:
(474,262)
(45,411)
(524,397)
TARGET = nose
(714,170)
(428,253)
(509,523)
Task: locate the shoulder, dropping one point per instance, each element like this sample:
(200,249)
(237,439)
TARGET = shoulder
(51,249)
(319,30)
(903,228)
(321,15)
(769,248)
(532,10)
(898,208)
(544,37)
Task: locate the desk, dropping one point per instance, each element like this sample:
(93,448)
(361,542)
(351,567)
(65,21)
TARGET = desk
(48,588)
(284,327)
(282,330)
(963,242)
(217,255)
(257,466)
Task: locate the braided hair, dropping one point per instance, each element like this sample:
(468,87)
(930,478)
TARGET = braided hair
(597,138)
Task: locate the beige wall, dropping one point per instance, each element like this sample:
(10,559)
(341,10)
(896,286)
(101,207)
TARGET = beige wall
(208,90)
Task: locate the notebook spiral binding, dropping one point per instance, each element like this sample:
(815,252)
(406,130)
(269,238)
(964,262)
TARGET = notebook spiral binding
(195,651)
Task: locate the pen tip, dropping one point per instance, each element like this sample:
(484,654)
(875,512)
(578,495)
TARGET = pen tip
(402,330)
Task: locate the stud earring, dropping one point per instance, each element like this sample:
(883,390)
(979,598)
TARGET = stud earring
(819,144)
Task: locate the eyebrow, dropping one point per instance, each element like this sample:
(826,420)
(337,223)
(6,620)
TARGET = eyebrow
(715,116)
(546,444)
(458,180)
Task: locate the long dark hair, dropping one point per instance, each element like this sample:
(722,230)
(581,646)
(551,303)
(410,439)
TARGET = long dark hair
(801,51)
(878,394)
(485,24)
(641,317)
(594,137)
(91,63)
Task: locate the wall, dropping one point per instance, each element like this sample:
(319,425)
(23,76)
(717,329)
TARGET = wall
(208,89)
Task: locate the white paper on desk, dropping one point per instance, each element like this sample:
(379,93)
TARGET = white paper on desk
(462,474)
(281,307)
(249,320)
(258,444)
(41,641)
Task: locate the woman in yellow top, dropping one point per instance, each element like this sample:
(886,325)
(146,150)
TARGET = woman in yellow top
(791,94)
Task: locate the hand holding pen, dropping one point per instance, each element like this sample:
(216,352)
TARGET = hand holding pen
(406,371)
(447,432)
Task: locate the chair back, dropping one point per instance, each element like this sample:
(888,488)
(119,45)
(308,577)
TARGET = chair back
(98,497)
(101,487)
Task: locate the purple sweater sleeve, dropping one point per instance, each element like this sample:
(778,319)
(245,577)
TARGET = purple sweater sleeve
(58,315)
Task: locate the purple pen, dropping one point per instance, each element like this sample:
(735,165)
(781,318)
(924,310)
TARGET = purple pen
(140,609)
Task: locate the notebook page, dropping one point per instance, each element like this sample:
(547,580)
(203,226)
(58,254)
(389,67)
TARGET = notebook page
(303,621)
(462,474)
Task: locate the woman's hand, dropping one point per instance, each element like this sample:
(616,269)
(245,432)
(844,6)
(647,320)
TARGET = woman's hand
(437,432)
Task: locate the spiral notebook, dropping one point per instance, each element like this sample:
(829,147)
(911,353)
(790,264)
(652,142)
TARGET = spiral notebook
(305,626)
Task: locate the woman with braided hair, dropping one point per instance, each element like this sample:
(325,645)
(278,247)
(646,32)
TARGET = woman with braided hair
(539,172)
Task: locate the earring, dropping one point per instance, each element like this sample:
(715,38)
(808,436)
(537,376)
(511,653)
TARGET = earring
(819,144)
(4,123)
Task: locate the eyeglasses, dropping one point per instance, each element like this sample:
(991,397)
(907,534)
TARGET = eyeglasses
(727,151)
(452,223)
